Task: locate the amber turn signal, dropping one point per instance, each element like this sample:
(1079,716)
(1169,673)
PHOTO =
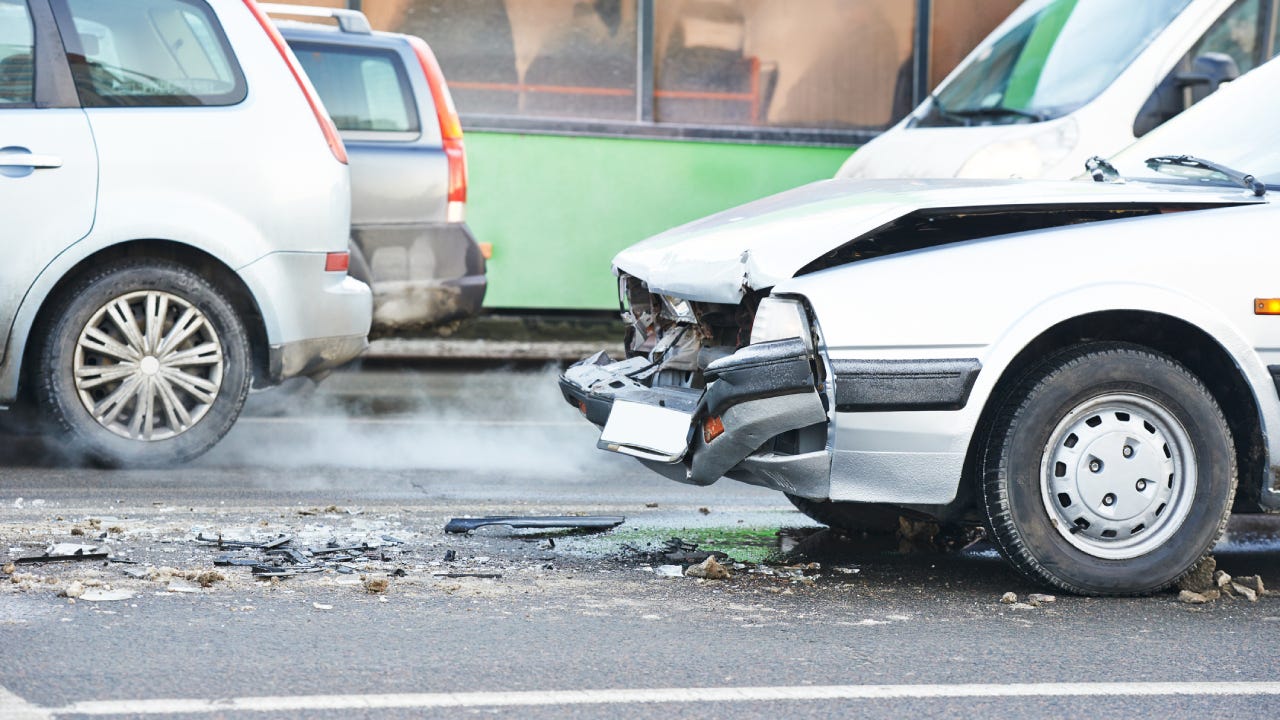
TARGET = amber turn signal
(1266,306)
(712,428)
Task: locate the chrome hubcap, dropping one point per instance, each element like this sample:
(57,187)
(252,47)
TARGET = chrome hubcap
(1118,476)
(148,365)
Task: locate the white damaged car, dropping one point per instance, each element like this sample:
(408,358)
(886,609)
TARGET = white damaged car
(1088,367)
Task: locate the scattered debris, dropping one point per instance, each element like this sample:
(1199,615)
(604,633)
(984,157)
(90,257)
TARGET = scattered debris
(669,571)
(583,522)
(62,552)
(1221,579)
(321,606)
(106,595)
(1253,582)
(1201,578)
(916,535)
(375,586)
(483,575)
(704,510)
(651,505)
(450,555)
(1038,599)
(1248,593)
(8,569)
(709,569)
(1195,598)
(74,590)
(208,578)
(1009,598)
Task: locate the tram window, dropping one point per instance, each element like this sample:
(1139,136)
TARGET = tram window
(541,58)
(745,62)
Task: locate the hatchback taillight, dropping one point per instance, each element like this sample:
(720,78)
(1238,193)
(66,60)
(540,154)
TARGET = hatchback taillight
(450,129)
(313,99)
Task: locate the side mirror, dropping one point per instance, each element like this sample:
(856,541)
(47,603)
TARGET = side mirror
(1208,71)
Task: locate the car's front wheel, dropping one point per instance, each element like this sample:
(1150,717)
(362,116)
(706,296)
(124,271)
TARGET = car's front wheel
(145,363)
(1110,470)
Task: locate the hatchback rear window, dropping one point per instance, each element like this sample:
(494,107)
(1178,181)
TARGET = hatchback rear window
(17,74)
(148,53)
(363,89)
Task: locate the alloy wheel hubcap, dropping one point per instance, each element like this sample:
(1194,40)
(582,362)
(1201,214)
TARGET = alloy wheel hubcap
(148,365)
(1118,476)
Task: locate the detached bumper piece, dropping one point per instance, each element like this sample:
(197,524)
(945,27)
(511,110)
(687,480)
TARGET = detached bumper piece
(760,419)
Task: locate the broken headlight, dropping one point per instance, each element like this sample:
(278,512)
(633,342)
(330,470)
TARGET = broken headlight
(678,309)
(780,319)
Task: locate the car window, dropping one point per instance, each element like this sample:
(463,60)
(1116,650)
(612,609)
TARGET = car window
(1239,34)
(363,89)
(1054,57)
(148,53)
(17,48)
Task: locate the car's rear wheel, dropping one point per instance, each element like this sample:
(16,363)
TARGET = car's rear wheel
(1110,470)
(145,363)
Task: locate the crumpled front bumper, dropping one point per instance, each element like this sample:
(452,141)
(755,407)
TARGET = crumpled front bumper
(761,418)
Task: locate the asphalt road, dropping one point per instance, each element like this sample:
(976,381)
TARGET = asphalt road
(573,624)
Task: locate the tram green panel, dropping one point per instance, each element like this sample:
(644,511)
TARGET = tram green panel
(557,209)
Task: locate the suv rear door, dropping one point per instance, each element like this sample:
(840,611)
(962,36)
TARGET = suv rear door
(48,164)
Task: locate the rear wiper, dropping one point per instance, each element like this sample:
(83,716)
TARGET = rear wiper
(1244,180)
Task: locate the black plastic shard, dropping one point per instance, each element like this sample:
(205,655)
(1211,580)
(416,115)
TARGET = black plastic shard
(583,522)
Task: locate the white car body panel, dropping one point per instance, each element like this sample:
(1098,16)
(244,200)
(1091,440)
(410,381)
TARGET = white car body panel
(758,245)
(975,299)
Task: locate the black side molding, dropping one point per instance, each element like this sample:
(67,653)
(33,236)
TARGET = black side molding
(1275,376)
(885,385)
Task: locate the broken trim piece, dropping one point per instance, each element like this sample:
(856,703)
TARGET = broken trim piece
(583,522)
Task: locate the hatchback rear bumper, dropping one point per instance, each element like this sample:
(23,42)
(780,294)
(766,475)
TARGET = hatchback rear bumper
(422,274)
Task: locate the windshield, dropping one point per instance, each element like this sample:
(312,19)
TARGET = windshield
(1232,127)
(1054,57)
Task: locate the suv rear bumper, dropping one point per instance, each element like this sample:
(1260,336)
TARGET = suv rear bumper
(422,274)
(314,320)
(757,395)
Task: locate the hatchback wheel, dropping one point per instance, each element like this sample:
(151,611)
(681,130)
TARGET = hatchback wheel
(146,363)
(1111,470)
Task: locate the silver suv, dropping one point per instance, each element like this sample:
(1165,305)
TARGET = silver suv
(389,99)
(175,206)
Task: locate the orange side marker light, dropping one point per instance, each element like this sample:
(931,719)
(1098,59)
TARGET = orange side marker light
(712,428)
(1266,306)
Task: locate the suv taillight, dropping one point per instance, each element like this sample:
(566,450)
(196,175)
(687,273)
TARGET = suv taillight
(326,123)
(450,129)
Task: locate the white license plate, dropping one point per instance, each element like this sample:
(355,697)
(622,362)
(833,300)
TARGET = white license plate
(647,431)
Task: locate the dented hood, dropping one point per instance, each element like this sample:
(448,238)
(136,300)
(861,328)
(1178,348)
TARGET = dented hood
(755,246)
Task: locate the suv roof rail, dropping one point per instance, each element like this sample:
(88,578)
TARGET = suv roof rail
(351,21)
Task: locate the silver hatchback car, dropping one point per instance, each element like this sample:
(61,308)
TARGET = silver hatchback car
(175,205)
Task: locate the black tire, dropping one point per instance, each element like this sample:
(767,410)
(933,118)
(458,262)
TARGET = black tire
(1093,422)
(850,517)
(211,415)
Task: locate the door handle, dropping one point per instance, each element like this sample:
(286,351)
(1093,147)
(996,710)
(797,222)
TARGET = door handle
(28,160)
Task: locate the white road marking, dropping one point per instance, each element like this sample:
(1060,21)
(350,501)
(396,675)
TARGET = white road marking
(13,707)
(660,695)
(407,421)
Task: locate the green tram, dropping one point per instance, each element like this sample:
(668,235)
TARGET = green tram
(593,124)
